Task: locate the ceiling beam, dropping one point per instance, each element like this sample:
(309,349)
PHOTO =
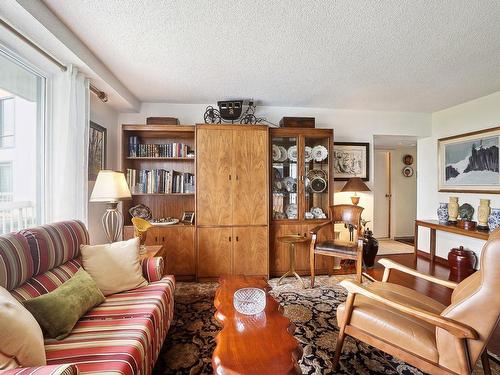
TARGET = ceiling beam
(52,23)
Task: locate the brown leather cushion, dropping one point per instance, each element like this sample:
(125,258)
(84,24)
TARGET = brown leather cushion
(377,319)
(343,247)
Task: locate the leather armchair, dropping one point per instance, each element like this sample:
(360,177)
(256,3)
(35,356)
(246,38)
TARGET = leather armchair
(437,339)
(350,215)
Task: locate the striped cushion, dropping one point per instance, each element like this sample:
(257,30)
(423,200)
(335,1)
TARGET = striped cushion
(16,264)
(45,370)
(54,244)
(124,334)
(152,268)
(46,282)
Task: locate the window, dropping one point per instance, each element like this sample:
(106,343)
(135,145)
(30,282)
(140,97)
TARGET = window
(7,113)
(22,114)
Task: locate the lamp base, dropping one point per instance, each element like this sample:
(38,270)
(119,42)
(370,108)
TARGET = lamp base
(355,200)
(112,222)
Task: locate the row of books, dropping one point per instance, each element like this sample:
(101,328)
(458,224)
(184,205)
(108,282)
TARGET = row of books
(167,150)
(159,181)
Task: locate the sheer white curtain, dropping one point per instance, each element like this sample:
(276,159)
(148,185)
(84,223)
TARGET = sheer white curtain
(67,148)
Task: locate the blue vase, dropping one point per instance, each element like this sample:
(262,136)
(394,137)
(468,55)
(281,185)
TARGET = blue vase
(494,219)
(442,213)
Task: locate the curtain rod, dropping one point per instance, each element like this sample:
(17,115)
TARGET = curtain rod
(100,94)
(33,45)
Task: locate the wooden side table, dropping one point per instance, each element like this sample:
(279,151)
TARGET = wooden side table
(151,252)
(291,240)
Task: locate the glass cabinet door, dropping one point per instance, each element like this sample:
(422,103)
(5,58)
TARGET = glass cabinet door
(284,178)
(316,177)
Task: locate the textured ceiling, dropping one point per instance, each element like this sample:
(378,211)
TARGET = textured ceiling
(389,55)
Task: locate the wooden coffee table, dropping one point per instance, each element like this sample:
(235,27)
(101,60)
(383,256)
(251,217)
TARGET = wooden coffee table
(253,344)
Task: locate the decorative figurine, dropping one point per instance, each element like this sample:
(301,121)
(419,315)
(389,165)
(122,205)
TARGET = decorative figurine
(483,213)
(466,212)
(370,248)
(453,210)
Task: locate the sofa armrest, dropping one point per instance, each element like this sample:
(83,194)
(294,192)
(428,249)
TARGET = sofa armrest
(67,369)
(152,268)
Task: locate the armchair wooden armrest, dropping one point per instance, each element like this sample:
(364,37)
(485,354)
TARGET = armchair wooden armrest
(457,329)
(314,231)
(390,264)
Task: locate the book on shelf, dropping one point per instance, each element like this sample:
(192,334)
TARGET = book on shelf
(159,181)
(162,150)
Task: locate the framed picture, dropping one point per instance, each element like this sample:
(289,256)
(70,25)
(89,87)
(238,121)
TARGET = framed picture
(97,149)
(351,159)
(469,162)
(188,217)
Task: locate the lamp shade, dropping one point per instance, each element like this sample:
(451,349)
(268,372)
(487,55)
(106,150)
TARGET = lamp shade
(355,184)
(110,186)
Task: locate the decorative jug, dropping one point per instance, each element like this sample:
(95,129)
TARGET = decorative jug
(442,213)
(494,219)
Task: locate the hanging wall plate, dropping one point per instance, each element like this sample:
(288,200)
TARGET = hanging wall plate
(408,159)
(407,171)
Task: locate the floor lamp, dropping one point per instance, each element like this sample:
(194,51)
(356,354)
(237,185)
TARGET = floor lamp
(111,187)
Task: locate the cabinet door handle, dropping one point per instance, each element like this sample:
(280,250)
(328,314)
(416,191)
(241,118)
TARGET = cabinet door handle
(236,238)
(236,177)
(229,177)
(229,238)
(156,239)
(305,235)
(163,239)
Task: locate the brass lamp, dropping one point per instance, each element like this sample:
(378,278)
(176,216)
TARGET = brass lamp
(355,184)
(111,187)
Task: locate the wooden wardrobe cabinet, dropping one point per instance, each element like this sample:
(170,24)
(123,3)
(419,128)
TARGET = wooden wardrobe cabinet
(178,248)
(232,200)
(232,250)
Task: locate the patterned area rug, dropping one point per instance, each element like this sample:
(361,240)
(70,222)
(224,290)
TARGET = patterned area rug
(191,339)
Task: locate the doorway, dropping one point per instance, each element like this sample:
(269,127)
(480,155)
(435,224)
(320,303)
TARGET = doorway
(395,187)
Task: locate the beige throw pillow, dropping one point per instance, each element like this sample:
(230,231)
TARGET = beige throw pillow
(21,337)
(114,267)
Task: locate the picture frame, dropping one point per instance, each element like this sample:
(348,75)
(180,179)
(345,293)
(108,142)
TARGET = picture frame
(351,159)
(97,150)
(188,217)
(469,163)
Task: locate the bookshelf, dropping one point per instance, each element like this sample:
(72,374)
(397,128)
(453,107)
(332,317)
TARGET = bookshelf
(178,241)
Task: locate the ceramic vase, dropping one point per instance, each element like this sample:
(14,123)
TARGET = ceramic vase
(494,220)
(442,213)
(483,213)
(453,209)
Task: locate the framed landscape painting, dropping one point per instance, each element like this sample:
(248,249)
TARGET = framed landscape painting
(469,162)
(97,149)
(351,159)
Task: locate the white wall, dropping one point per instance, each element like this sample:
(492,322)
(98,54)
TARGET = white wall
(102,114)
(348,125)
(478,114)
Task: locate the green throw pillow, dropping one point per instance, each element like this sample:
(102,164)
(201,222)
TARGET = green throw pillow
(58,311)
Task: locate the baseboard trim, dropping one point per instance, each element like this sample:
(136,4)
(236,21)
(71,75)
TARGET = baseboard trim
(437,259)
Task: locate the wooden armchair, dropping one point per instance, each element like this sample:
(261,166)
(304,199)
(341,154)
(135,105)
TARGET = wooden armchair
(350,215)
(435,338)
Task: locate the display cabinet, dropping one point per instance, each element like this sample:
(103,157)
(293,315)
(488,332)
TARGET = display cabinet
(301,191)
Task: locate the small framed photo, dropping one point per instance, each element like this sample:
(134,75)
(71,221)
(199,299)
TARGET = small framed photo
(188,217)
(97,150)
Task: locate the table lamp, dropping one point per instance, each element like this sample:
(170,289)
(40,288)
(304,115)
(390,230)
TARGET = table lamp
(111,187)
(355,184)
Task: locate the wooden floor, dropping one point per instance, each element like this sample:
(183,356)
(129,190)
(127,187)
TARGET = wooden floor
(434,291)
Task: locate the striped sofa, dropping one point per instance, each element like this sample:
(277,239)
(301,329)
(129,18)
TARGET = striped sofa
(123,335)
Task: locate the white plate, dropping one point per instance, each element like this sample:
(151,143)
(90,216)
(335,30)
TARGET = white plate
(308,154)
(290,184)
(276,153)
(175,221)
(292,153)
(283,154)
(319,153)
(291,211)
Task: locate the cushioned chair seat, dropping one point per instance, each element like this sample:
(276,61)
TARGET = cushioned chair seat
(348,248)
(122,335)
(391,325)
